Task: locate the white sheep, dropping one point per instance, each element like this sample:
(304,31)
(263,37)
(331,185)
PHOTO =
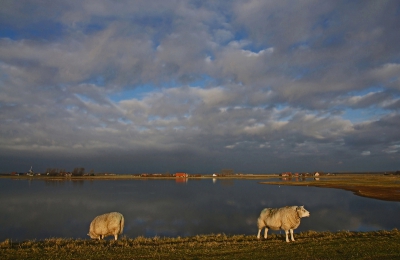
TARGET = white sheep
(286,218)
(106,225)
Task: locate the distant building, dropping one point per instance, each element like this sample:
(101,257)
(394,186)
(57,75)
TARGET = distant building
(30,172)
(181,175)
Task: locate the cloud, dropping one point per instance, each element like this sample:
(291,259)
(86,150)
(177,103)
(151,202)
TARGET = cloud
(366,153)
(276,81)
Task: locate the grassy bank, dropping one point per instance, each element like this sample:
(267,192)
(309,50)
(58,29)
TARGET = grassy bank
(308,245)
(376,186)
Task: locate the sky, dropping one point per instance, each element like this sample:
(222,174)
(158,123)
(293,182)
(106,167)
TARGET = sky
(198,86)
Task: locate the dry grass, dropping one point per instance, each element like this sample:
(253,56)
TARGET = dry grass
(383,187)
(308,245)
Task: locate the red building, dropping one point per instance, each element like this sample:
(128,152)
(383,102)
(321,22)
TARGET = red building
(181,175)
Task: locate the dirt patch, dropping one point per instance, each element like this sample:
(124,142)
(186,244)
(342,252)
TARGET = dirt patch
(388,193)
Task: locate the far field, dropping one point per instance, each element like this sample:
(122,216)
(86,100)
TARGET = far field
(376,186)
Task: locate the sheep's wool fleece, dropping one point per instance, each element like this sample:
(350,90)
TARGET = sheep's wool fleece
(282,218)
(107,224)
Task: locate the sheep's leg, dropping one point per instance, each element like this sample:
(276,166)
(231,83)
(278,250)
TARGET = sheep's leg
(266,233)
(291,234)
(115,237)
(259,232)
(287,235)
(260,225)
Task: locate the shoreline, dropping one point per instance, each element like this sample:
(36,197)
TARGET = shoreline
(133,177)
(369,185)
(382,187)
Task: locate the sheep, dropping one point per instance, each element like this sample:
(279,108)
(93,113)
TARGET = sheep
(106,225)
(286,218)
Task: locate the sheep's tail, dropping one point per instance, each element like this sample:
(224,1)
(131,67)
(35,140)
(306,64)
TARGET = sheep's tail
(121,223)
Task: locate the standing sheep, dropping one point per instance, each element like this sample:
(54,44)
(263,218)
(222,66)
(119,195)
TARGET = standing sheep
(106,225)
(286,218)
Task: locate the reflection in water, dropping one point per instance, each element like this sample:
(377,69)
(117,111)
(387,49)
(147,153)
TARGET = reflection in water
(42,209)
(181,180)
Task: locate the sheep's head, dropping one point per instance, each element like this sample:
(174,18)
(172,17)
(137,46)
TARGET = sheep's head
(93,235)
(302,212)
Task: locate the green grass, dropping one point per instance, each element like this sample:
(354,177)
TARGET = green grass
(308,245)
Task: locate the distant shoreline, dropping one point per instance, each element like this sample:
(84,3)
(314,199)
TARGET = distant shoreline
(134,177)
(374,186)
(371,185)
(190,176)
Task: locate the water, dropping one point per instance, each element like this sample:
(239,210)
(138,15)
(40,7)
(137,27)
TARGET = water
(38,209)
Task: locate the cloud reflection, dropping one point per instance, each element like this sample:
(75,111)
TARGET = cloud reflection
(42,209)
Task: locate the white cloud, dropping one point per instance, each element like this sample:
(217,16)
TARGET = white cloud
(386,71)
(248,53)
(392,149)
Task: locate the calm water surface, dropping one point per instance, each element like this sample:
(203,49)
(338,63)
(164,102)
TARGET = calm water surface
(38,209)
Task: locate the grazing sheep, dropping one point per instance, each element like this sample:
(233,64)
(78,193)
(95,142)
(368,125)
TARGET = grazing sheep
(106,225)
(286,218)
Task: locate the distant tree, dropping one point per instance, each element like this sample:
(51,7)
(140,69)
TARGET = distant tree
(53,171)
(227,171)
(79,171)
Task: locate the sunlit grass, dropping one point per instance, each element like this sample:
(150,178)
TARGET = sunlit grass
(377,186)
(308,245)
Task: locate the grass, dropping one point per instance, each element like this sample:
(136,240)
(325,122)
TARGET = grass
(308,245)
(376,186)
